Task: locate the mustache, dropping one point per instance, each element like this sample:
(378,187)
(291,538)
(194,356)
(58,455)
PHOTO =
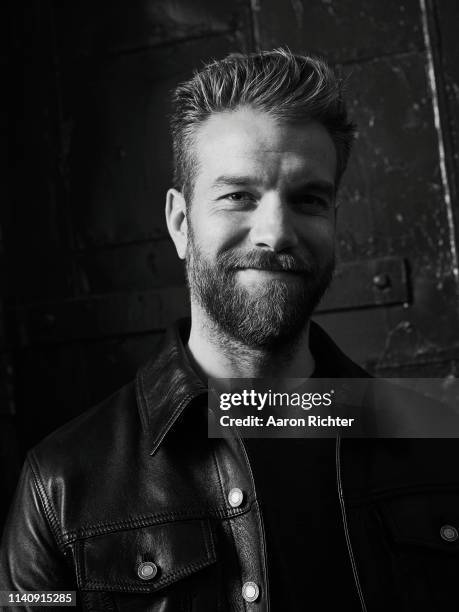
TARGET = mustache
(266,260)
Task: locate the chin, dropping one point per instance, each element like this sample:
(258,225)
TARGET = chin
(265,334)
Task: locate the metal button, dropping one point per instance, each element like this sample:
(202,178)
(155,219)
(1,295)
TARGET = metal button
(250,591)
(235,497)
(449,533)
(147,570)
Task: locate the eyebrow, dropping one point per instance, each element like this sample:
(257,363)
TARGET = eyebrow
(226,180)
(318,185)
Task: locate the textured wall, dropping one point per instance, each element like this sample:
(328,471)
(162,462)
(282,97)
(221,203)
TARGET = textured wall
(91,276)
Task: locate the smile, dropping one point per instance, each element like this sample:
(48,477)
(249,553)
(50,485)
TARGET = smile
(270,274)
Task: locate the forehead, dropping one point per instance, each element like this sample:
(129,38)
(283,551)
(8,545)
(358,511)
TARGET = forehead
(251,141)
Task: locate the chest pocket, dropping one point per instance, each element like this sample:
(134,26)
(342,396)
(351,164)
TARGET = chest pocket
(159,567)
(424,541)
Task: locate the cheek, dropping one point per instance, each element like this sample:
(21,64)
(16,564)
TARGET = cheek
(319,237)
(217,232)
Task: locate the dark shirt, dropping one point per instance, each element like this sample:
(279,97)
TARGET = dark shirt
(309,566)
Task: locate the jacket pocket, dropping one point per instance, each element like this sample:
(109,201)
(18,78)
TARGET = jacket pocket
(159,567)
(423,535)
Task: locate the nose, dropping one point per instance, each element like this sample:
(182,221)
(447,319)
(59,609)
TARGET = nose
(272,225)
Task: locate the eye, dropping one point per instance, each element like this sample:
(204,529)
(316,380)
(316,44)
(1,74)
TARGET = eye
(239,196)
(239,199)
(310,203)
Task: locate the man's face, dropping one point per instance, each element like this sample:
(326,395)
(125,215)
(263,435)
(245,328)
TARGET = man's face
(261,224)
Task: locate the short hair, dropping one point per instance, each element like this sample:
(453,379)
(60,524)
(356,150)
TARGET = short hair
(289,87)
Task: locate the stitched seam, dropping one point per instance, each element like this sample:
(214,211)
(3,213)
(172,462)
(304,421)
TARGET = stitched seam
(184,571)
(230,525)
(48,509)
(145,521)
(140,395)
(79,551)
(204,537)
(217,468)
(208,540)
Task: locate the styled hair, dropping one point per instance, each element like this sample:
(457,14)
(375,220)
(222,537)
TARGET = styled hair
(291,88)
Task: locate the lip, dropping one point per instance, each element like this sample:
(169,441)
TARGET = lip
(272,273)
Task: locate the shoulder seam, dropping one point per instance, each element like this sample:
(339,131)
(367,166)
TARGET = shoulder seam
(47,506)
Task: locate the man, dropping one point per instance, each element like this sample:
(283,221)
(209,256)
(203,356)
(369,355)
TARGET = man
(133,506)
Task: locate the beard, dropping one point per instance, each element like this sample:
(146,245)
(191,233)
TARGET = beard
(268,315)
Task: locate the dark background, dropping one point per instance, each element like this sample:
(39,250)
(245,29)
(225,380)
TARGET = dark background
(91,278)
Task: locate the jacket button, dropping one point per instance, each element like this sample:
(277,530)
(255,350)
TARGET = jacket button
(250,591)
(449,533)
(235,497)
(147,570)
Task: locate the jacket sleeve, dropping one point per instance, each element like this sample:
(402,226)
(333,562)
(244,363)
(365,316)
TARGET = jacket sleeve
(31,558)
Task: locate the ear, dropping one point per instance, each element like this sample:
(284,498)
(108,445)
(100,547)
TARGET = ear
(176,221)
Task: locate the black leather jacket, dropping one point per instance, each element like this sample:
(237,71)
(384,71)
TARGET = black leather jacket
(134,485)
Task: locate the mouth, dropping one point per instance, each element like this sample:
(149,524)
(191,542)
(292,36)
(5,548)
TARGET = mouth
(270,274)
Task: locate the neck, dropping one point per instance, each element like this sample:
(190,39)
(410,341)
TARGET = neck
(216,355)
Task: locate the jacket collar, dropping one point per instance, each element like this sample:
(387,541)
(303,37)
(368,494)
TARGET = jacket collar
(167,384)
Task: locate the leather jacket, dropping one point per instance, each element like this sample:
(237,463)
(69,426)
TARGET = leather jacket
(128,504)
